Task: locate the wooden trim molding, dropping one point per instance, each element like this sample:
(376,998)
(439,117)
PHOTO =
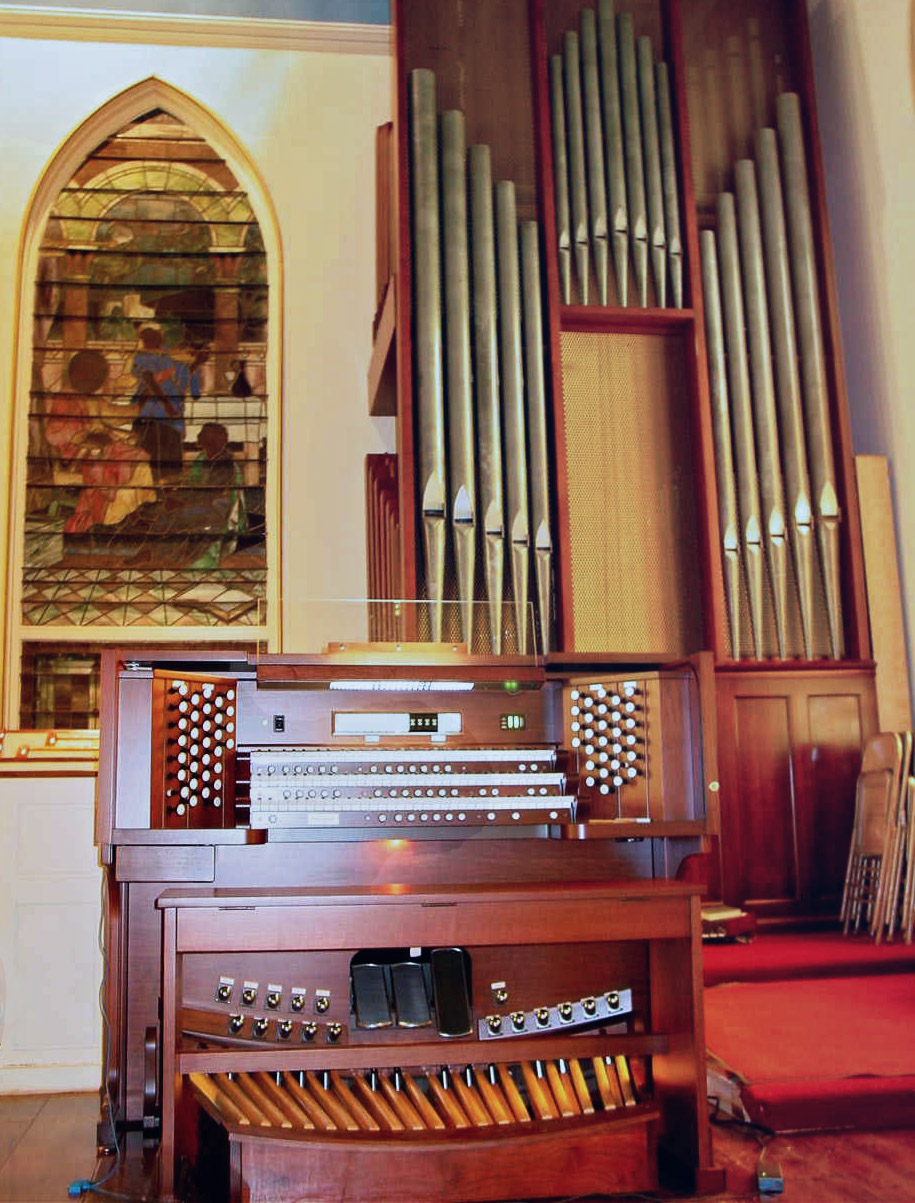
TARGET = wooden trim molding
(170,29)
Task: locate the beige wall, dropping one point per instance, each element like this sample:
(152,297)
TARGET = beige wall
(307,121)
(866,103)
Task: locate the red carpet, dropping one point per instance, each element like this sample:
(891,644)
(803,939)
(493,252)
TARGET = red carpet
(782,955)
(814,1052)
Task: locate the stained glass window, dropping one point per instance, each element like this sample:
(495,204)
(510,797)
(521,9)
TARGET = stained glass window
(147,444)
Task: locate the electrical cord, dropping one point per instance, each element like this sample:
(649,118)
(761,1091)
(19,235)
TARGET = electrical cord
(769,1177)
(96,1185)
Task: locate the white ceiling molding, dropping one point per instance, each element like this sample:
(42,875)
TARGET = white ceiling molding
(249,33)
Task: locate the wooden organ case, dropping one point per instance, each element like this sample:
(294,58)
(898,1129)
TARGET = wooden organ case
(385,923)
(674,264)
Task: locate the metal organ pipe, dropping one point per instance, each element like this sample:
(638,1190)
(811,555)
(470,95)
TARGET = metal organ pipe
(481,379)
(812,358)
(728,516)
(427,306)
(613,144)
(576,147)
(787,378)
(669,182)
(774,275)
(768,458)
(657,234)
(632,142)
(512,375)
(597,190)
(486,384)
(561,178)
(612,97)
(535,381)
(741,413)
(462,475)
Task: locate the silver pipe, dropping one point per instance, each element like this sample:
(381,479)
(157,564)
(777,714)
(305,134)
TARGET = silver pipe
(728,518)
(462,471)
(597,190)
(427,297)
(576,145)
(632,144)
(813,365)
(669,181)
(768,457)
(612,124)
(787,378)
(657,235)
(486,384)
(741,413)
(512,372)
(757,73)
(535,380)
(561,178)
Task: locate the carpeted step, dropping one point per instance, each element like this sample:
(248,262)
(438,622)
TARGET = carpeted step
(818,1053)
(780,956)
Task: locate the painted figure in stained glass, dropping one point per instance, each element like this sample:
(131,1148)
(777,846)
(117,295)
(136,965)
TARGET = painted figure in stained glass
(163,384)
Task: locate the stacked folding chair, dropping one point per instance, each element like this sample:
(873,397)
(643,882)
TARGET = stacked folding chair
(880,865)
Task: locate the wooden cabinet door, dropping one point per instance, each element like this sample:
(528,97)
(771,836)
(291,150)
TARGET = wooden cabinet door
(789,755)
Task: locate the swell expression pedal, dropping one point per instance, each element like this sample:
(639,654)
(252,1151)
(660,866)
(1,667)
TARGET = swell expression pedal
(411,1001)
(451,991)
(371,999)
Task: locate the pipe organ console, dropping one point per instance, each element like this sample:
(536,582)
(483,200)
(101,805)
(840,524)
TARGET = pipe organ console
(383,923)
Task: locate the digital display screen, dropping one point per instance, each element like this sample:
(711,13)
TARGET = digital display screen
(512,722)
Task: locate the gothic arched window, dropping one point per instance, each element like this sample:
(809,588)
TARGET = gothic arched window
(144,512)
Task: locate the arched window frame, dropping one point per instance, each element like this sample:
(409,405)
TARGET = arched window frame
(126,106)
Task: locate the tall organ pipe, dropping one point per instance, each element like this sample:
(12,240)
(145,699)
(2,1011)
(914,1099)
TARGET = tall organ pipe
(741,413)
(486,384)
(462,473)
(512,374)
(594,145)
(787,378)
(669,181)
(632,140)
(431,484)
(657,236)
(812,358)
(728,517)
(618,216)
(561,178)
(535,382)
(576,147)
(768,457)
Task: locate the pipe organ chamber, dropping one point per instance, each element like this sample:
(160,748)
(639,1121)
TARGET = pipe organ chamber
(407,897)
